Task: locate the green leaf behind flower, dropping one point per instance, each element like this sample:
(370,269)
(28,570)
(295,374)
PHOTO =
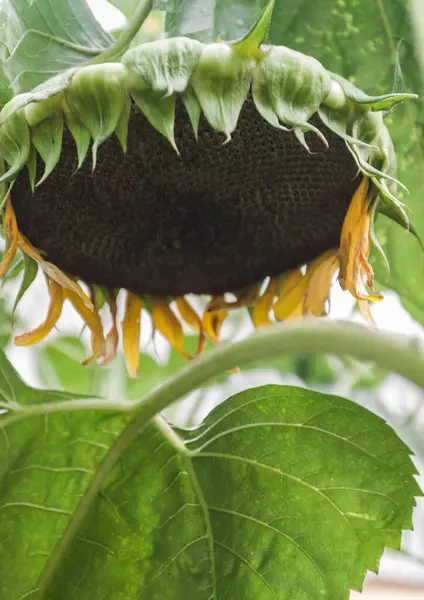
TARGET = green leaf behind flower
(40,38)
(261,501)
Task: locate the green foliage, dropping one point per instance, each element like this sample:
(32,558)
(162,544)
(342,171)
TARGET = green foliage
(40,38)
(259,501)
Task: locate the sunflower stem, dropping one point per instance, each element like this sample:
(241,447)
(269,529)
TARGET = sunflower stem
(115,51)
(394,353)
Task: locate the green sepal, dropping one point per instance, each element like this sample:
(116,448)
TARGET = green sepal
(374,103)
(251,42)
(221,83)
(96,97)
(121,129)
(262,98)
(373,236)
(380,162)
(159,111)
(79,133)
(296,86)
(15,144)
(39,94)
(193,108)
(164,66)
(31,166)
(390,211)
(30,273)
(338,120)
(47,140)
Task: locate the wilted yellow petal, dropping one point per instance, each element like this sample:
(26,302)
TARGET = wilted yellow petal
(320,274)
(131,332)
(245,298)
(188,314)
(29,248)
(57,298)
(364,309)
(92,319)
(52,271)
(165,321)
(292,292)
(55,273)
(11,230)
(262,307)
(355,247)
(213,319)
(112,338)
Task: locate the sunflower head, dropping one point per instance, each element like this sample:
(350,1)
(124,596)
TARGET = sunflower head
(215,168)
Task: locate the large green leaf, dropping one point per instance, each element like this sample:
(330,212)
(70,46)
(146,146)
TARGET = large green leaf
(281,494)
(207,20)
(40,38)
(357,39)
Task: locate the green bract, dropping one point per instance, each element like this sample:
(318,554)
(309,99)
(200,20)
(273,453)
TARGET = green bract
(288,88)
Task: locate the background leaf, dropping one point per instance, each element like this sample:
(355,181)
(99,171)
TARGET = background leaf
(40,38)
(281,493)
(207,20)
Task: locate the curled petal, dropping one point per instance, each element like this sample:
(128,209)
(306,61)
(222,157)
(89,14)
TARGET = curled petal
(320,275)
(188,314)
(131,332)
(12,233)
(262,307)
(293,289)
(364,309)
(355,247)
(165,321)
(213,319)
(57,298)
(112,338)
(92,319)
(53,272)
(245,298)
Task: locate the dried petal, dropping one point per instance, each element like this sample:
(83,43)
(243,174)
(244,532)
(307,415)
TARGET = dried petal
(165,321)
(57,298)
(260,314)
(213,319)
(92,319)
(11,229)
(131,332)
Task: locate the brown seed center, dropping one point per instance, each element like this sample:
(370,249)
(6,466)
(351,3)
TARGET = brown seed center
(215,218)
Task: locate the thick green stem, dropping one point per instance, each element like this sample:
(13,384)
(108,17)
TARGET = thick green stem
(121,45)
(400,355)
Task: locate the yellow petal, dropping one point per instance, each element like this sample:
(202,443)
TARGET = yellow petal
(131,332)
(292,293)
(320,274)
(364,309)
(52,271)
(55,273)
(188,314)
(57,298)
(165,321)
(213,319)
(11,230)
(262,307)
(92,319)
(112,338)
(355,247)
(245,298)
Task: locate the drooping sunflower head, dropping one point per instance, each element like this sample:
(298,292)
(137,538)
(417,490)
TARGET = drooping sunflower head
(215,168)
